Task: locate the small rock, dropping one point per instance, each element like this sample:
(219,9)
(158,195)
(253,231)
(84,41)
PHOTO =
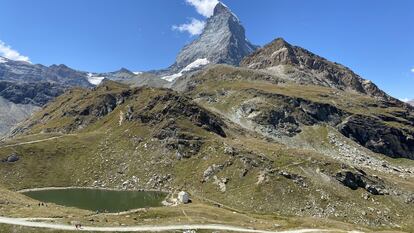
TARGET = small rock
(11,158)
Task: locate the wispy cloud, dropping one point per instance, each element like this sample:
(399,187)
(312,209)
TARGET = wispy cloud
(195,27)
(7,52)
(412,70)
(204,7)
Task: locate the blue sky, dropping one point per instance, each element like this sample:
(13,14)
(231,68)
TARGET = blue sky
(375,38)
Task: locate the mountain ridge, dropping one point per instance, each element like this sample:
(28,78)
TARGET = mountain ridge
(280,52)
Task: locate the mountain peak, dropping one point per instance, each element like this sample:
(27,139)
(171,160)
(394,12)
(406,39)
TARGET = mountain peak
(124,70)
(280,42)
(321,71)
(223,41)
(220,9)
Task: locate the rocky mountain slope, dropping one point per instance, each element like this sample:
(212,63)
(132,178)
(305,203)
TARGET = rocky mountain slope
(298,64)
(280,108)
(223,41)
(411,102)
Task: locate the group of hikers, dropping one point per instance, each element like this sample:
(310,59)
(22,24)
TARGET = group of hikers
(42,204)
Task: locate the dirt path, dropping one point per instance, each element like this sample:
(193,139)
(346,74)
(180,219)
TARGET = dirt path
(33,142)
(26,223)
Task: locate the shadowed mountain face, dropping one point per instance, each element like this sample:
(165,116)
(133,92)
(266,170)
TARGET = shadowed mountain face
(222,41)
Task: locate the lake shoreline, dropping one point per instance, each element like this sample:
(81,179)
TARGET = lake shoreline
(92,188)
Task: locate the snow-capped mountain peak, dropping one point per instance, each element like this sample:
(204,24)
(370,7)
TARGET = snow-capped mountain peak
(223,41)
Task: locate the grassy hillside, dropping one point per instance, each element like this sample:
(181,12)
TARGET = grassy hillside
(145,138)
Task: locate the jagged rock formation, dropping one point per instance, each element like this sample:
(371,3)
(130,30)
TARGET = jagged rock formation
(222,41)
(359,179)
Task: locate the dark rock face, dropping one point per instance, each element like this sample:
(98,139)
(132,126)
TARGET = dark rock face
(360,179)
(312,69)
(379,137)
(38,93)
(222,41)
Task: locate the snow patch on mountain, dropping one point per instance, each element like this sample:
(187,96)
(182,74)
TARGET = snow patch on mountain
(137,73)
(94,80)
(192,66)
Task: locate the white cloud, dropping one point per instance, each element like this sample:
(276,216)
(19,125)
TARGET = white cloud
(195,27)
(7,52)
(204,7)
(412,70)
(404,99)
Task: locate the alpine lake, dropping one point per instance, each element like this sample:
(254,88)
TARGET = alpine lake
(99,200)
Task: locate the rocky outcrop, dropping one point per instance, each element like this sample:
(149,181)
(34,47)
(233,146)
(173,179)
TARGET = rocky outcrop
(379,136)
(360,179)
(11,159)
